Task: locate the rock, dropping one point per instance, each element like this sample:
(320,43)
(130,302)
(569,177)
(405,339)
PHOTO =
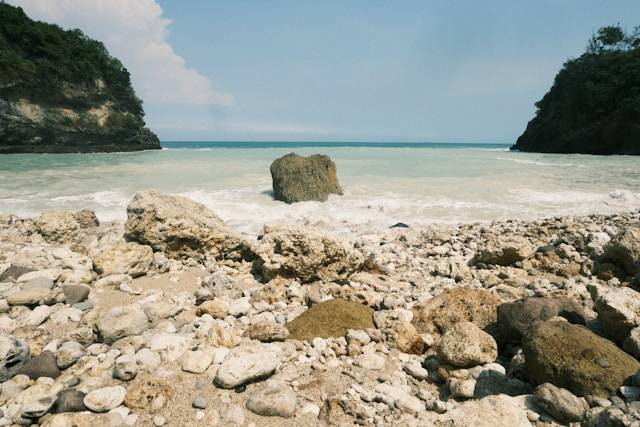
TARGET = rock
(297,179)
(42,365)
(619,312)
(70,400)
(560,403)
(216,308)
(239,307)
(86,218)
(273,399)
(199,403)
(504,251)
(515,317)
(148,393)
(68,354)
(120,322)
(463,389)
(632,343)
(30,297)
(491,411)
(197,361)
(370,360)
(465,345)
(105,399)
(37,408)
(247,363)
(14,353)
(624,251)
(232,415)
(306,254)
(331,318)
(572,357)
(57,226)
(182,228)
(148,358)
(123,258)
(437,315)
(125,367)
(170,346)
(39,282)
(266,331)
(404,336)
(75,293)
(13,272)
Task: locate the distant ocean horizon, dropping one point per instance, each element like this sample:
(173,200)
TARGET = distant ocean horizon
(384,183)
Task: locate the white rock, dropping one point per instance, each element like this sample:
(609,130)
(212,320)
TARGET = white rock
(239,307)
(37,316)
(148,358)
(105,399)
(125,368)
(370,361)
(197,361)
(359,336)
(120,322)
(247,363)
(274,398)
(170,346)
(68,354)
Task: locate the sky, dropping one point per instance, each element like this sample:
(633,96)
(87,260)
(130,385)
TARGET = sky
(357,70)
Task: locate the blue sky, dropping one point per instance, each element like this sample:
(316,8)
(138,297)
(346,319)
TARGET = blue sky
(347,70)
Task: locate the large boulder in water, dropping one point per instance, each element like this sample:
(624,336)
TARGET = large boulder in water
(573,357)
(182,228)
(298,179)
(331,318)
(306,254)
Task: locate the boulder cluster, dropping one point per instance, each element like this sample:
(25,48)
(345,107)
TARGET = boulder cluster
(173,318)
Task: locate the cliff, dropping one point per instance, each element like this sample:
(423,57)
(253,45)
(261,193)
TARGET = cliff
(62,92)
(593,106)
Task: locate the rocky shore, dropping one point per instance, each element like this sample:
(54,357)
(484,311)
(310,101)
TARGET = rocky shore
(173,318)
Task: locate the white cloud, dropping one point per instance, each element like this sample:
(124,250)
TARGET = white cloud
(135,32)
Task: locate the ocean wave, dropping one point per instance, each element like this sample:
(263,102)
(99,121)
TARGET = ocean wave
(533,162)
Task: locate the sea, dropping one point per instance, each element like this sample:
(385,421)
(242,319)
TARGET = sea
(384,183)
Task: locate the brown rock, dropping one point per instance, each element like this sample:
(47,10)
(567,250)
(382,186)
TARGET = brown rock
(297,178)
(148,393)
(330,319)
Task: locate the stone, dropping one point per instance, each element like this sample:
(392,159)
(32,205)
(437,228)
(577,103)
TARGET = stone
(13,272)
(52,274)
(182,228)
(148,358)
(75,293)
(504,251)
(623,250)
(148,393)
(68,354)
(70,400)
(515,317)
(297,178)
(465,345)
(560,403)
(123,258)
(632,343)
(57,226)
(37,408)
(266,331)
(618,312)
(37,316)
(232,415)
(306,254)
(216,308)
(405,337)
(572,357)
(197,361)
(125,367)
(462,388)
(247,363)
(437,315)
(199,403)
(239,307)
(491,411)
(86,218)
(30,297)
(105,399)
(42,365)
(14,354)
(39,282)
(330,318)
(170,346)
(370,360)
(120,322)
(273,399)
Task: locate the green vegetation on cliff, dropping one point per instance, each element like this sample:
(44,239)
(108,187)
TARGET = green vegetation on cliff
(62,91)
(593,106)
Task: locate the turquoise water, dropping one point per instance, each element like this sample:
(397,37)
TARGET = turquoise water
(384,183)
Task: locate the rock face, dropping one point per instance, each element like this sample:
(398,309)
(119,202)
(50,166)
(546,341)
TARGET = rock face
(306,254)
(572,357)
(515,317)
(465,346)
(330,319)
(68,100)
(298,179)
(439,314)
(504,251)
(182,228)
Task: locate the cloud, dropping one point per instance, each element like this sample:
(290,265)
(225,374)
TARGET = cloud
(135,32)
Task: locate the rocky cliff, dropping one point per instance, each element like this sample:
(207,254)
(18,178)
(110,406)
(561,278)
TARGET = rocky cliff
(593,106)
(61,92)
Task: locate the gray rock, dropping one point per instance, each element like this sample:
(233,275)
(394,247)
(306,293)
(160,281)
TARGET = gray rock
(14,353)
(14,272)
(199,403)
(42,365)
(68,354)
(39,407)
(465,345)
(296,178)
(40,282)
(232,415)
(70,400)
(630,392)
(273,399)
(120,322)
(105,399)
(245,364)
(560,403)
(125,367)
(619,312)
(75,294)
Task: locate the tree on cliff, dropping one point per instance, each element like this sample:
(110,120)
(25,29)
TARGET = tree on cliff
(593,106)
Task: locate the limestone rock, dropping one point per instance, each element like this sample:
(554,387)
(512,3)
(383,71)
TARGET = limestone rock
(35,296)
(105,399)
(404,336)
(515,317)
(86,218)
(274,398)
(68,354)
(572,357)
(125,367)
(267,332)
(216,308)
(124,258)
(296,178)
(14,353)
(57,226)
(148,393)
(560,403)
(331,318)
(120,322)
(624,251)
(465,345)
(491,411)
(247,363)
(504,251)
(306,254)
(437,315)
(182,228)
(619,312)
(197,361)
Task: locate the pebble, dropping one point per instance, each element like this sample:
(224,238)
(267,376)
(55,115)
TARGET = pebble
(105,399)
(199,403)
